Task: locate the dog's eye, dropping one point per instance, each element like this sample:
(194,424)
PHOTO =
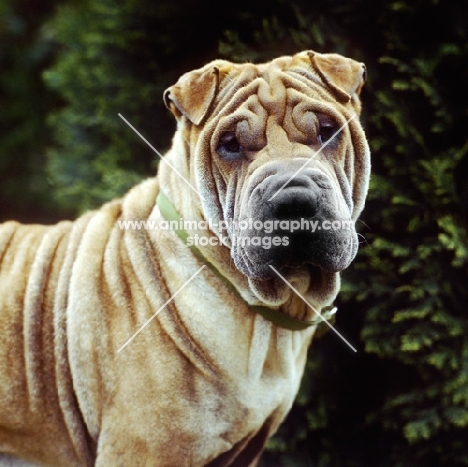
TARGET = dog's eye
(326,131)
(229,147)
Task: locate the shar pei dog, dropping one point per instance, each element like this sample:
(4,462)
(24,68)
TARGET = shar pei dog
(171,327)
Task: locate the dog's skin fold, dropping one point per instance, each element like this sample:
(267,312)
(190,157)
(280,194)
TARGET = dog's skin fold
(207,381)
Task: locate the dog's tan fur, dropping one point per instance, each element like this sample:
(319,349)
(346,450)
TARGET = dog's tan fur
(208,380)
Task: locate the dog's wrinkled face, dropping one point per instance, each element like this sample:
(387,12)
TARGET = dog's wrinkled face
(281,163)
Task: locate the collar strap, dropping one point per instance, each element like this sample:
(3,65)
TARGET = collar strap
(169,212)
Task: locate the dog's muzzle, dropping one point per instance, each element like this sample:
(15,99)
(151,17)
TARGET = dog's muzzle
(294,222)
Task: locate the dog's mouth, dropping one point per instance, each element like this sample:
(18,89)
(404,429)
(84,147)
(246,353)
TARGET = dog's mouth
(297,235)
(299,230)
(309,260)
(312,282)
(314,274)
(257,257)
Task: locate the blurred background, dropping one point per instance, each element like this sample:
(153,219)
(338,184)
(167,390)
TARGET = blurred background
(68,67)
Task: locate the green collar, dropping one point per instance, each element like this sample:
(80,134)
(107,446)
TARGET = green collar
(169,212)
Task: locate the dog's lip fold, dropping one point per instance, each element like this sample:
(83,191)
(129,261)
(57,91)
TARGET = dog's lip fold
(310,266)
(316,274)
(266,273)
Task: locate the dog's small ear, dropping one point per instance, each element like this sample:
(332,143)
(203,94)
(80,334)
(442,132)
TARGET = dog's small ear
(344,75)
(193,94)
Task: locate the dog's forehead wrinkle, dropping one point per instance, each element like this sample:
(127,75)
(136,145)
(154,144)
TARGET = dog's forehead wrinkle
(276,93)
(272,95)
(235,80)
(257,106)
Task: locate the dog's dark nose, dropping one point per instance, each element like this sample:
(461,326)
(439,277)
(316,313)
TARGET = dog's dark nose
(295,204)
(297,199)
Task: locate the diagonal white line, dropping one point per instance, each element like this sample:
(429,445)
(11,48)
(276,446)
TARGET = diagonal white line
(316,154)
(159,154)
(307,303)
(152,317)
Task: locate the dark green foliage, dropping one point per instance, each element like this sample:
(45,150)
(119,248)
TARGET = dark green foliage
(25,49)
(402,400)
